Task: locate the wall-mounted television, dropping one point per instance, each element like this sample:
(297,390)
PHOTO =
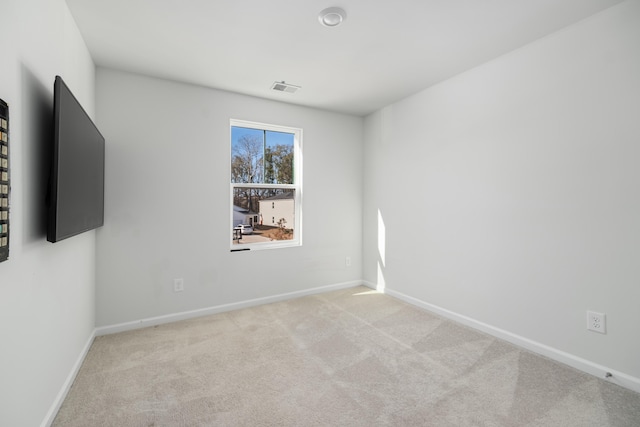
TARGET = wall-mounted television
(76,184)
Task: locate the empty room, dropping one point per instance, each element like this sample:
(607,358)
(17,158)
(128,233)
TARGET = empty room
(319,213)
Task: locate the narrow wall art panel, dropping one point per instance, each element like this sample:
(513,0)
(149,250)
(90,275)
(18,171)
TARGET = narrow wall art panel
(4,181)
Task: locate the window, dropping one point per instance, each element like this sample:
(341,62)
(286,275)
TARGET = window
(266,186)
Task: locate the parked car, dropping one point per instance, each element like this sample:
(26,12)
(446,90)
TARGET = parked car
(244,228)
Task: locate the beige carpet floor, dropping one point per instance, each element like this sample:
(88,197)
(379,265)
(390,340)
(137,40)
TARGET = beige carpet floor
(346,358)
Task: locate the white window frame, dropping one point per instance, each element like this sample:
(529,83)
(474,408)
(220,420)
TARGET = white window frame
(296,186)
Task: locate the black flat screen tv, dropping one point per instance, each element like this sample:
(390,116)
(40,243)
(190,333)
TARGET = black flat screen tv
(76,184)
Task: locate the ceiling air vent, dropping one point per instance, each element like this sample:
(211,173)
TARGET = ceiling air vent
(284,87)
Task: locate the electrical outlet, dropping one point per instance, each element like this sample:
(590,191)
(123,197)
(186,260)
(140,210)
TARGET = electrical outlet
(596,322)
(347,261)
(178,285)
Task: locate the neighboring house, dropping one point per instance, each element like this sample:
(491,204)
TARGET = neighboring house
(244,216)
(277,207)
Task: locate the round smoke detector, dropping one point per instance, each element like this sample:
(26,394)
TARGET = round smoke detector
(332,16)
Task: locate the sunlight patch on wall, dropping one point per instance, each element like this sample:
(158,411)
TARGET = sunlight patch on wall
(382,242)
(381,238)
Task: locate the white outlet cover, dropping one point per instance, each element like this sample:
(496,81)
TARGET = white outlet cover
(596,322)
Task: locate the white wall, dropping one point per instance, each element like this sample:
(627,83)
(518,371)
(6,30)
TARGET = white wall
(167,210)
(46,290)
(509,194)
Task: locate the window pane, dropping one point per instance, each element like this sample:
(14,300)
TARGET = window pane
(247,153)
(261,156)
(278,156)
(262,215)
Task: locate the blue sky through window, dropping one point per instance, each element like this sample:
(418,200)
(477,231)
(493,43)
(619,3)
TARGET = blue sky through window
(273,138)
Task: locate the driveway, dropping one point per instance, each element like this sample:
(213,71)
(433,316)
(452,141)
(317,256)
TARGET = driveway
(252,238)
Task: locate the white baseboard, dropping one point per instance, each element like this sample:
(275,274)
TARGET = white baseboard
(57,403)
(159,320)
(619,378)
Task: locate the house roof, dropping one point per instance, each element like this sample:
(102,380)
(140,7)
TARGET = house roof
(243,210)
(283,196)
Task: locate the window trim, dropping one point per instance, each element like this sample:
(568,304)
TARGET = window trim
(296,186)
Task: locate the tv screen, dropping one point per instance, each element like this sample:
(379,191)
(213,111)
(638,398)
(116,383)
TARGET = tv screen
(76,186)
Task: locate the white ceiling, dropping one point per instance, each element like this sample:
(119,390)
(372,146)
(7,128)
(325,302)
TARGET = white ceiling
(383,52)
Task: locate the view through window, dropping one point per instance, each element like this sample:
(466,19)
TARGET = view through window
(265,185)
